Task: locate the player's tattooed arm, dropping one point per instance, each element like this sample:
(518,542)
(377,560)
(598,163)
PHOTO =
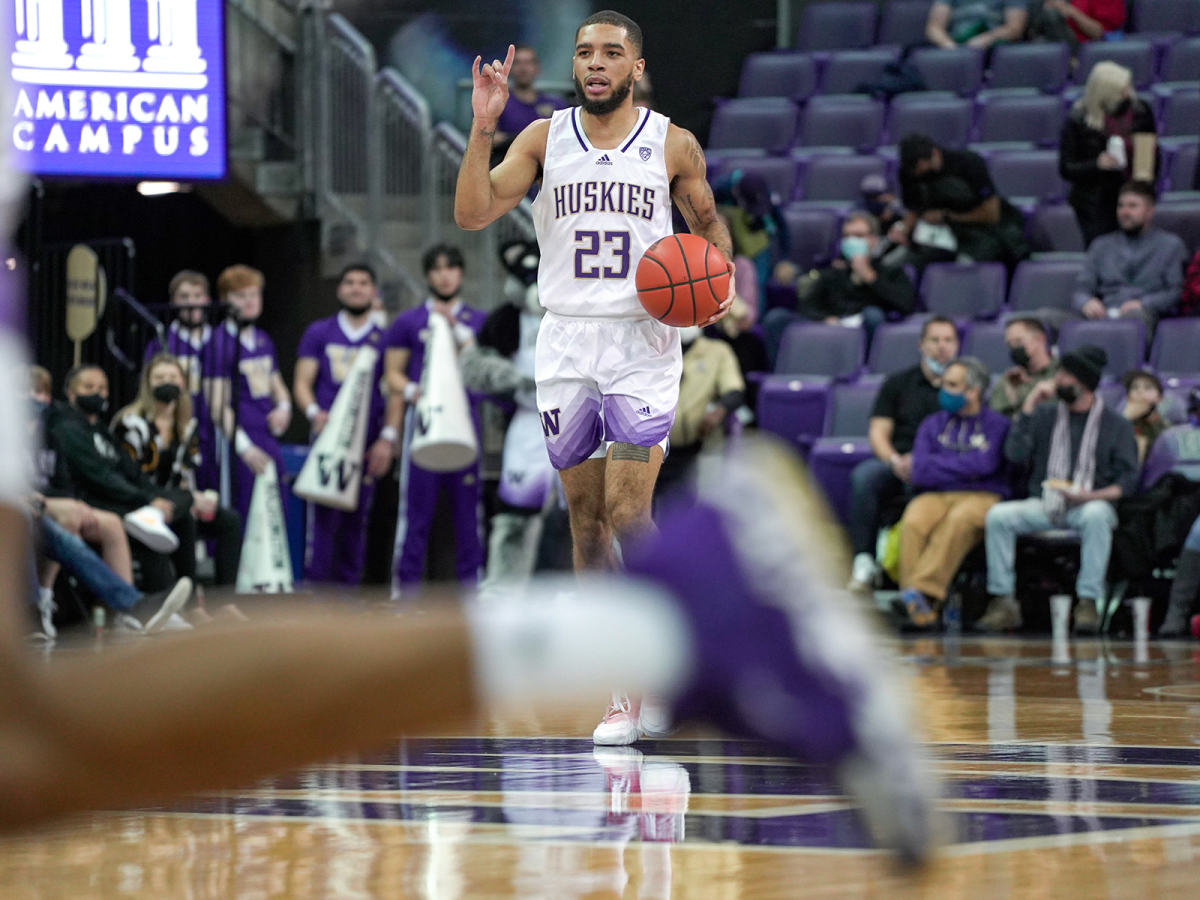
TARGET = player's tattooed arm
(692,193)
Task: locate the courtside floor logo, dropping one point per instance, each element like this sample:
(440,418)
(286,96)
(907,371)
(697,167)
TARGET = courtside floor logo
(126,88)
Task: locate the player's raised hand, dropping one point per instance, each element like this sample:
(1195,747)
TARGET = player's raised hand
(489,92)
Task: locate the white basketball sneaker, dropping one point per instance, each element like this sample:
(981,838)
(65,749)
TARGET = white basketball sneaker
(619,725)
(147,525)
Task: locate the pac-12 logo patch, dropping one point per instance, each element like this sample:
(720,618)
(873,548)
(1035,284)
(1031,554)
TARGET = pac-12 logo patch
(644,153)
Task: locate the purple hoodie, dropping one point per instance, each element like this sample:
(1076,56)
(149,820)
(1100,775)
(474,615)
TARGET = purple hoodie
(961,453)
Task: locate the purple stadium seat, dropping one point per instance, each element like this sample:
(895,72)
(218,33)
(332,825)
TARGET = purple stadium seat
(779,172)
(831,460)
(847,69)
(756,122)
(1182,216)
(985,341)
(1176,450)
(902,23)
(850,407)
(1053,227)
(959,70)
(1037,119)
(789,75)
(842,120)
(1166,15)
(1041,66)
(894,346)
(1043,284)
(963,290)
(1135,55)
(1027,175)
(1182,168)
(1124,340)
(945,119)
(813,233)
(814,348)
(842,25)
(837,177)
(793,408)
(1174,351)
(1179,114)
(1182,62)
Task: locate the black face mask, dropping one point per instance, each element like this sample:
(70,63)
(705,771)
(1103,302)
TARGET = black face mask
(92,404)
(166,393)
(1020,356)
(1067,393)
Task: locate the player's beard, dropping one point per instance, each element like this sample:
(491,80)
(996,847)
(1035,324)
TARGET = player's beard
(355,310)
(604,107)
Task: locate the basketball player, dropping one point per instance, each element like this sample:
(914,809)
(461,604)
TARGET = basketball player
(607,373)
(337,540)
(421,489)
(263,405)
(189,339)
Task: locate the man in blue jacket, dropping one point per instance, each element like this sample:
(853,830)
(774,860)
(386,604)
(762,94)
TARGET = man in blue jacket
(958,465)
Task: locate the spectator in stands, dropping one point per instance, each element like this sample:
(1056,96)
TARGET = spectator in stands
(976,23)
(249,397)
(526,104)
(954,211)
(189,340)
(1147,409)
(1082,458)
(160,434)
(106,477)
(1029,348)
(858,290)
(710,389)
(958,468)
(1096,147)
(1135,272)
(1075,21)
(755,222)
(904,400)
(1184,588)
(881,201)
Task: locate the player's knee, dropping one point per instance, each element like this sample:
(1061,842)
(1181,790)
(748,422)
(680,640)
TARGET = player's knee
(629,516)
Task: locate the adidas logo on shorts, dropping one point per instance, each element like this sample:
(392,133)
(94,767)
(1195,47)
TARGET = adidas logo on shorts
(604,161)
(644,411)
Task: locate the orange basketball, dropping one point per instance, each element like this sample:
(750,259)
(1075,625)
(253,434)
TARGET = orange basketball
(682,279)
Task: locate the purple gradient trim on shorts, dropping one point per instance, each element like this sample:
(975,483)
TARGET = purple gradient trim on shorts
(623,422)
(580,432)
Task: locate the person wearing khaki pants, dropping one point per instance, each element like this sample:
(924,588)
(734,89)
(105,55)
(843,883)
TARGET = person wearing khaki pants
(958,463)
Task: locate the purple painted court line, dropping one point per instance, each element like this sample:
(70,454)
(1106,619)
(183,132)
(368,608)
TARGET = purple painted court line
(1069,753)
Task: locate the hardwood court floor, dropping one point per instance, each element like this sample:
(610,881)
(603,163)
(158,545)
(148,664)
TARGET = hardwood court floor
(1070,771)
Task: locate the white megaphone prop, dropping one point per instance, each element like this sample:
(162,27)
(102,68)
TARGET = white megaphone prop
(266,565)
(333,471)
(443,431)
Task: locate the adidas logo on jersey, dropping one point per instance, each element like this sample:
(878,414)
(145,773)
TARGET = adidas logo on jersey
(604,161)
(644,411)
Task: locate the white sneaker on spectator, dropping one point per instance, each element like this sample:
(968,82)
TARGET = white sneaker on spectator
(148,526)
(47,607)
(127,622)
(177,623)
(863,573)
(619,726)
(172,604)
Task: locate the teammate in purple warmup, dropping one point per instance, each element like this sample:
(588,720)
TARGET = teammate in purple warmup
(420,488)
(255,404)
(336,540)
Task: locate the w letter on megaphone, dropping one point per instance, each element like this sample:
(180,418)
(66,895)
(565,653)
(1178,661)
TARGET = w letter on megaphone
(444,438)
(266,564)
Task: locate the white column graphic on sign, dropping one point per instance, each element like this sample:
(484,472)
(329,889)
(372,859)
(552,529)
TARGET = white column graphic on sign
(40,43)
(173,24)
(107,23)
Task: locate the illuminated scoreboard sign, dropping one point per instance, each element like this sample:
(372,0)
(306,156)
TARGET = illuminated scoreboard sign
(118,88)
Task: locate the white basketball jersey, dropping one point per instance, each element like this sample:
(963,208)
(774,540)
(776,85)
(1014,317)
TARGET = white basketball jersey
(596,213)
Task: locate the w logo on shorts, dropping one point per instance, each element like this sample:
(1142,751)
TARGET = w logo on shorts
(550,424)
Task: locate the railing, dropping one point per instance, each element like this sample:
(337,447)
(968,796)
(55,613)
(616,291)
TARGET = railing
(262,46)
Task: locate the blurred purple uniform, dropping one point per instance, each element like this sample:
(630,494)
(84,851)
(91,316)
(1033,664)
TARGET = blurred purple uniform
(420,488)
(337,541)
(254,357)
(518,115)
(193,351)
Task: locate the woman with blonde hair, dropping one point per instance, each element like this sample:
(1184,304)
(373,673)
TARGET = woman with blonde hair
(1096,149)
(159,431)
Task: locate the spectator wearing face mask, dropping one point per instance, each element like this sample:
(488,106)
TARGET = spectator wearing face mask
(1147,409)
(1029,350)
(858,290)
(1096,147)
